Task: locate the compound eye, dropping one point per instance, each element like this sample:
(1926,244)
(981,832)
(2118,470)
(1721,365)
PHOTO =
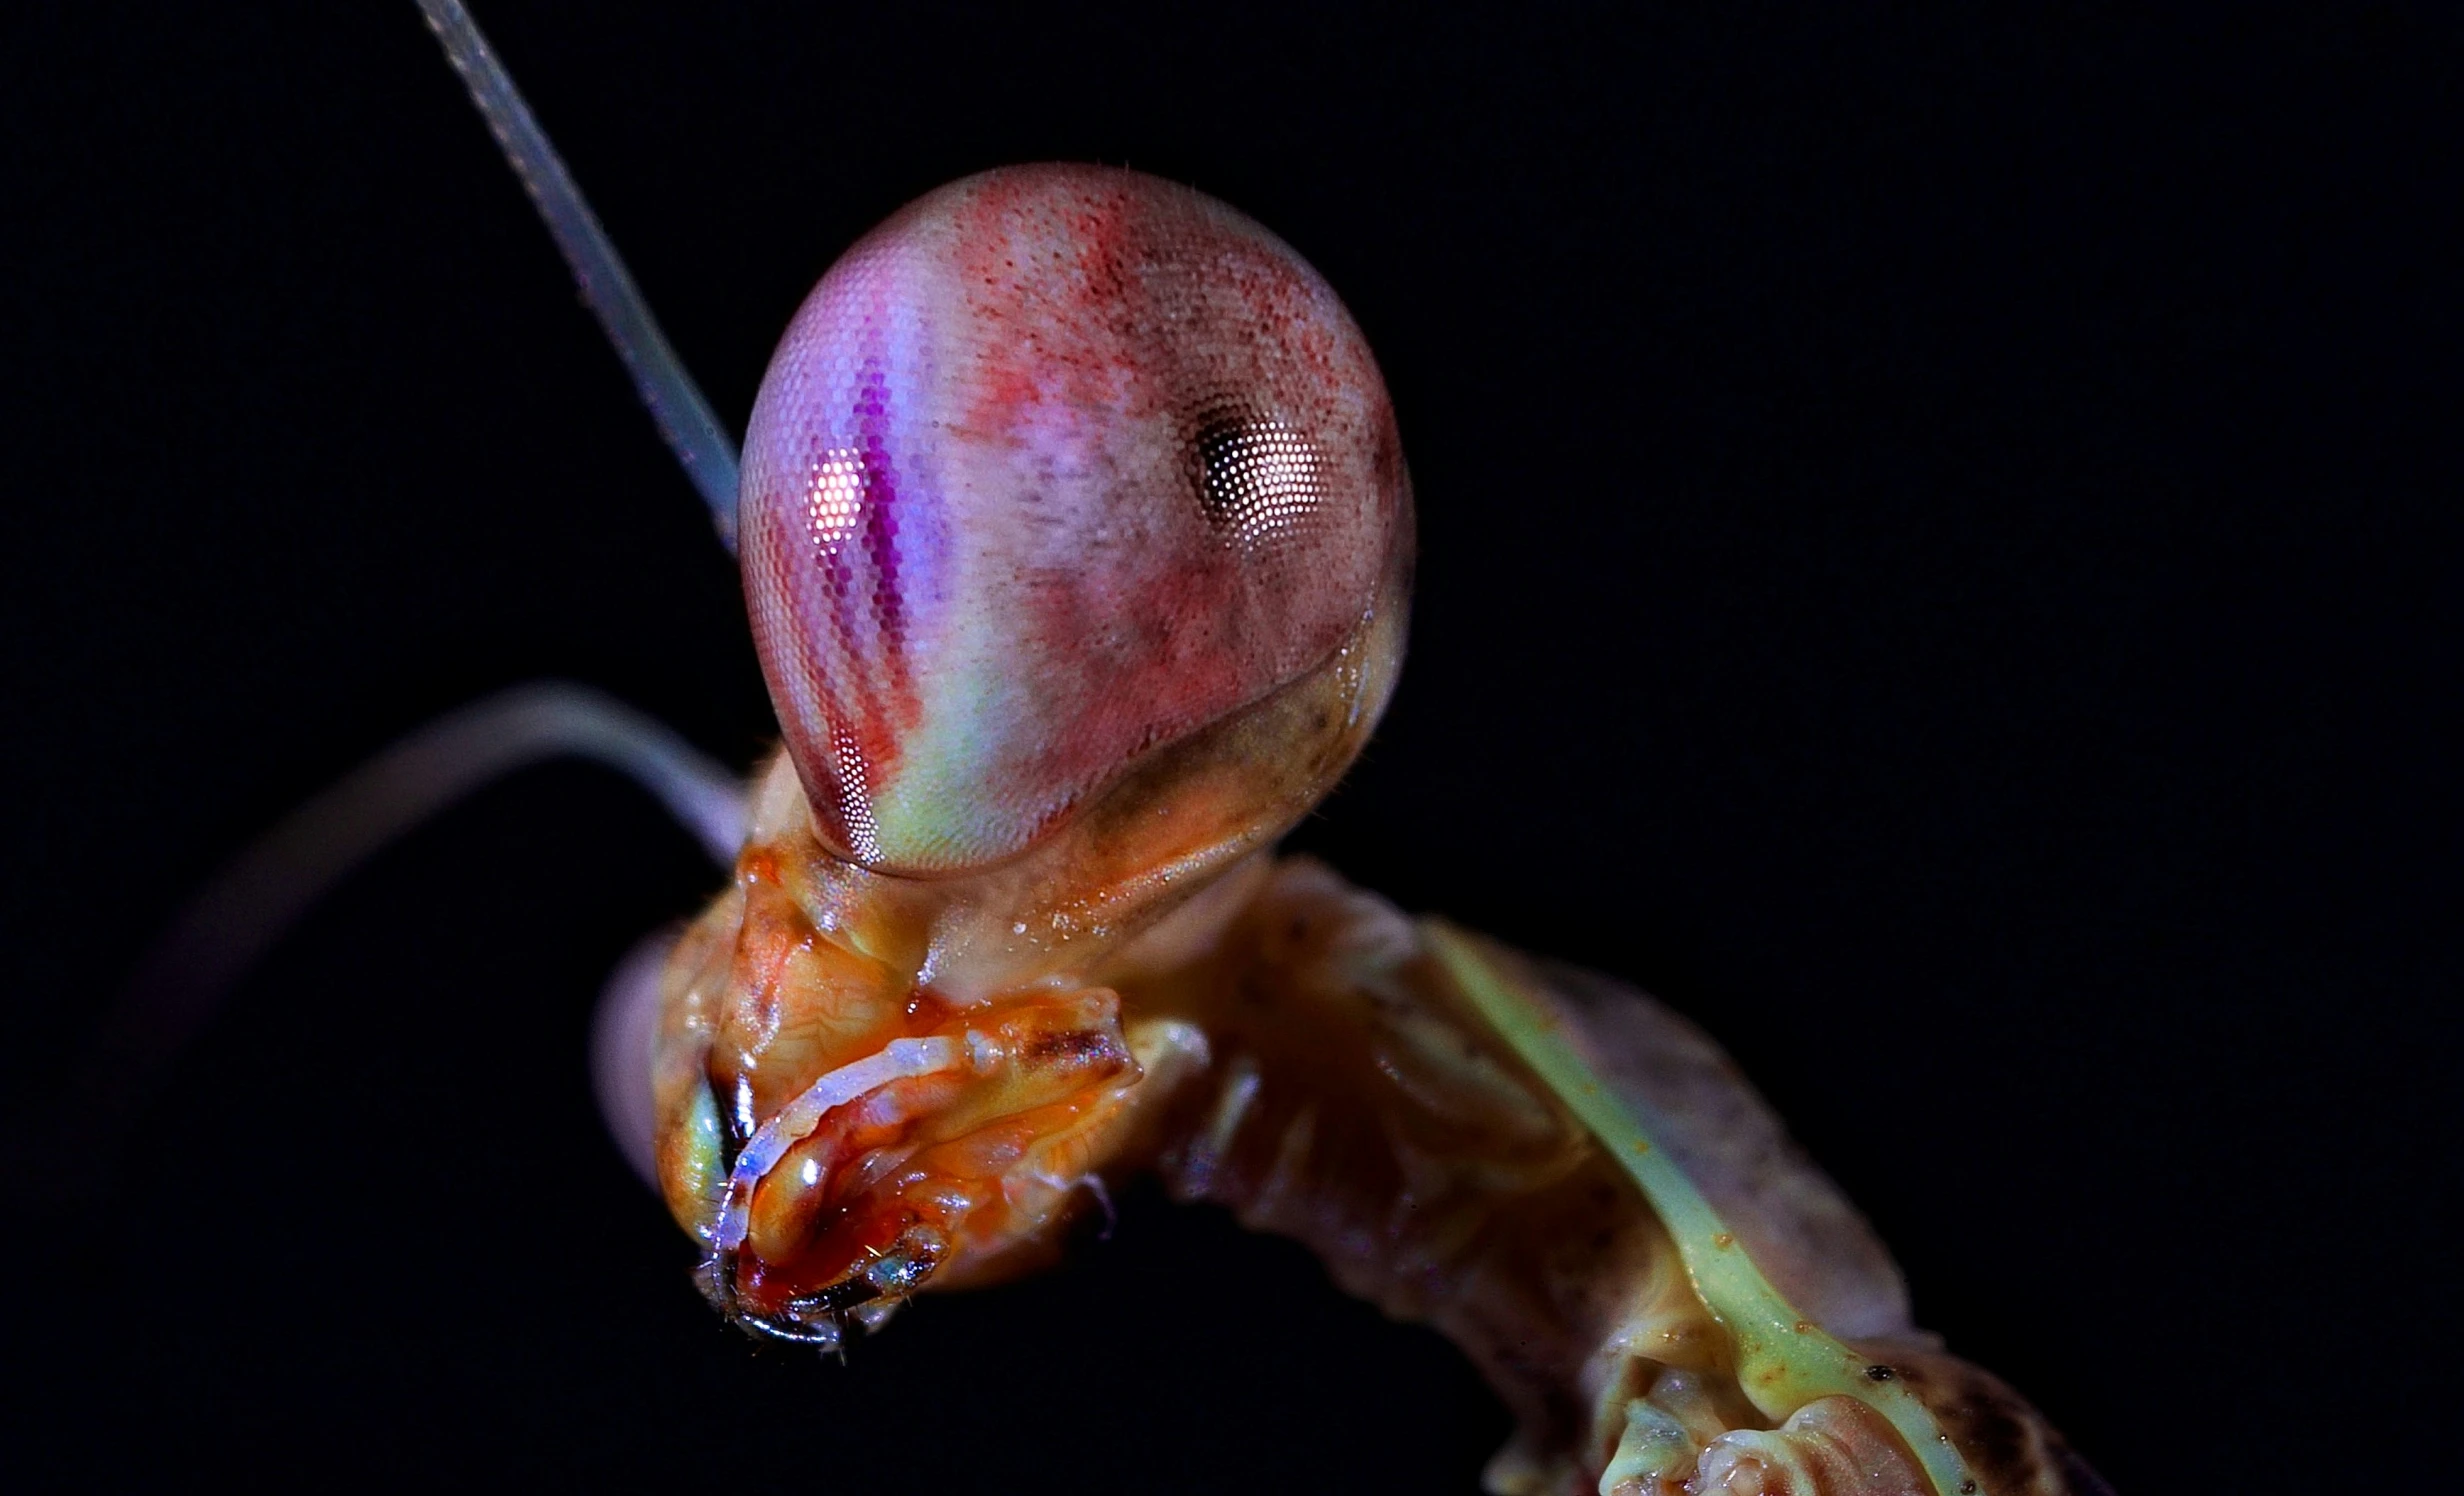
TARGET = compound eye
(1056,468)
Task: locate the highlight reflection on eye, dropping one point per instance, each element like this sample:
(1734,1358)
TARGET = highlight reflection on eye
(1262,481)
(833,497)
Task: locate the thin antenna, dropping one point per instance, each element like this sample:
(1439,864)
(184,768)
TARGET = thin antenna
(684,417)
(261,893)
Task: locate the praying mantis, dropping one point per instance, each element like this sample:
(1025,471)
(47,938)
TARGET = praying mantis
(951,1310)
(1078,543)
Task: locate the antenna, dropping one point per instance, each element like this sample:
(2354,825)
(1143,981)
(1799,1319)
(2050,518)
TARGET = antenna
(684,417)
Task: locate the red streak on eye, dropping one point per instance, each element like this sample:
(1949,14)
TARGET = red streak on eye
(863,679)
(884,700)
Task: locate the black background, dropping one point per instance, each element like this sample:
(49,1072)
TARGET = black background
(1936,559)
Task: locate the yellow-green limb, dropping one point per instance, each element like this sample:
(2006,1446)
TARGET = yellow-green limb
(1784,1360)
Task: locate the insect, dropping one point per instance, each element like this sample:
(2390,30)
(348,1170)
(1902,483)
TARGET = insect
(1005,917)
(890,1341)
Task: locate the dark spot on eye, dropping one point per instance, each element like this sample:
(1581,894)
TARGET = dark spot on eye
(1260,480)
(1879,1373)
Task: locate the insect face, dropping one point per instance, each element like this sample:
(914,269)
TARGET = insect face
(1076,537)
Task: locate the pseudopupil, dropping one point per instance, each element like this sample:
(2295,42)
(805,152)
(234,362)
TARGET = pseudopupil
(1261,481)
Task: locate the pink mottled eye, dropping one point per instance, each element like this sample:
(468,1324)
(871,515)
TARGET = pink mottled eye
(1057,467)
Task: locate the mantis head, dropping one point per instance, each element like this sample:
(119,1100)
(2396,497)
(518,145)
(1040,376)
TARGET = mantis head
(1076,537)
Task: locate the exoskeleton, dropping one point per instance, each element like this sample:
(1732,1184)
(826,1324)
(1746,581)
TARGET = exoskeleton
(1077,543)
